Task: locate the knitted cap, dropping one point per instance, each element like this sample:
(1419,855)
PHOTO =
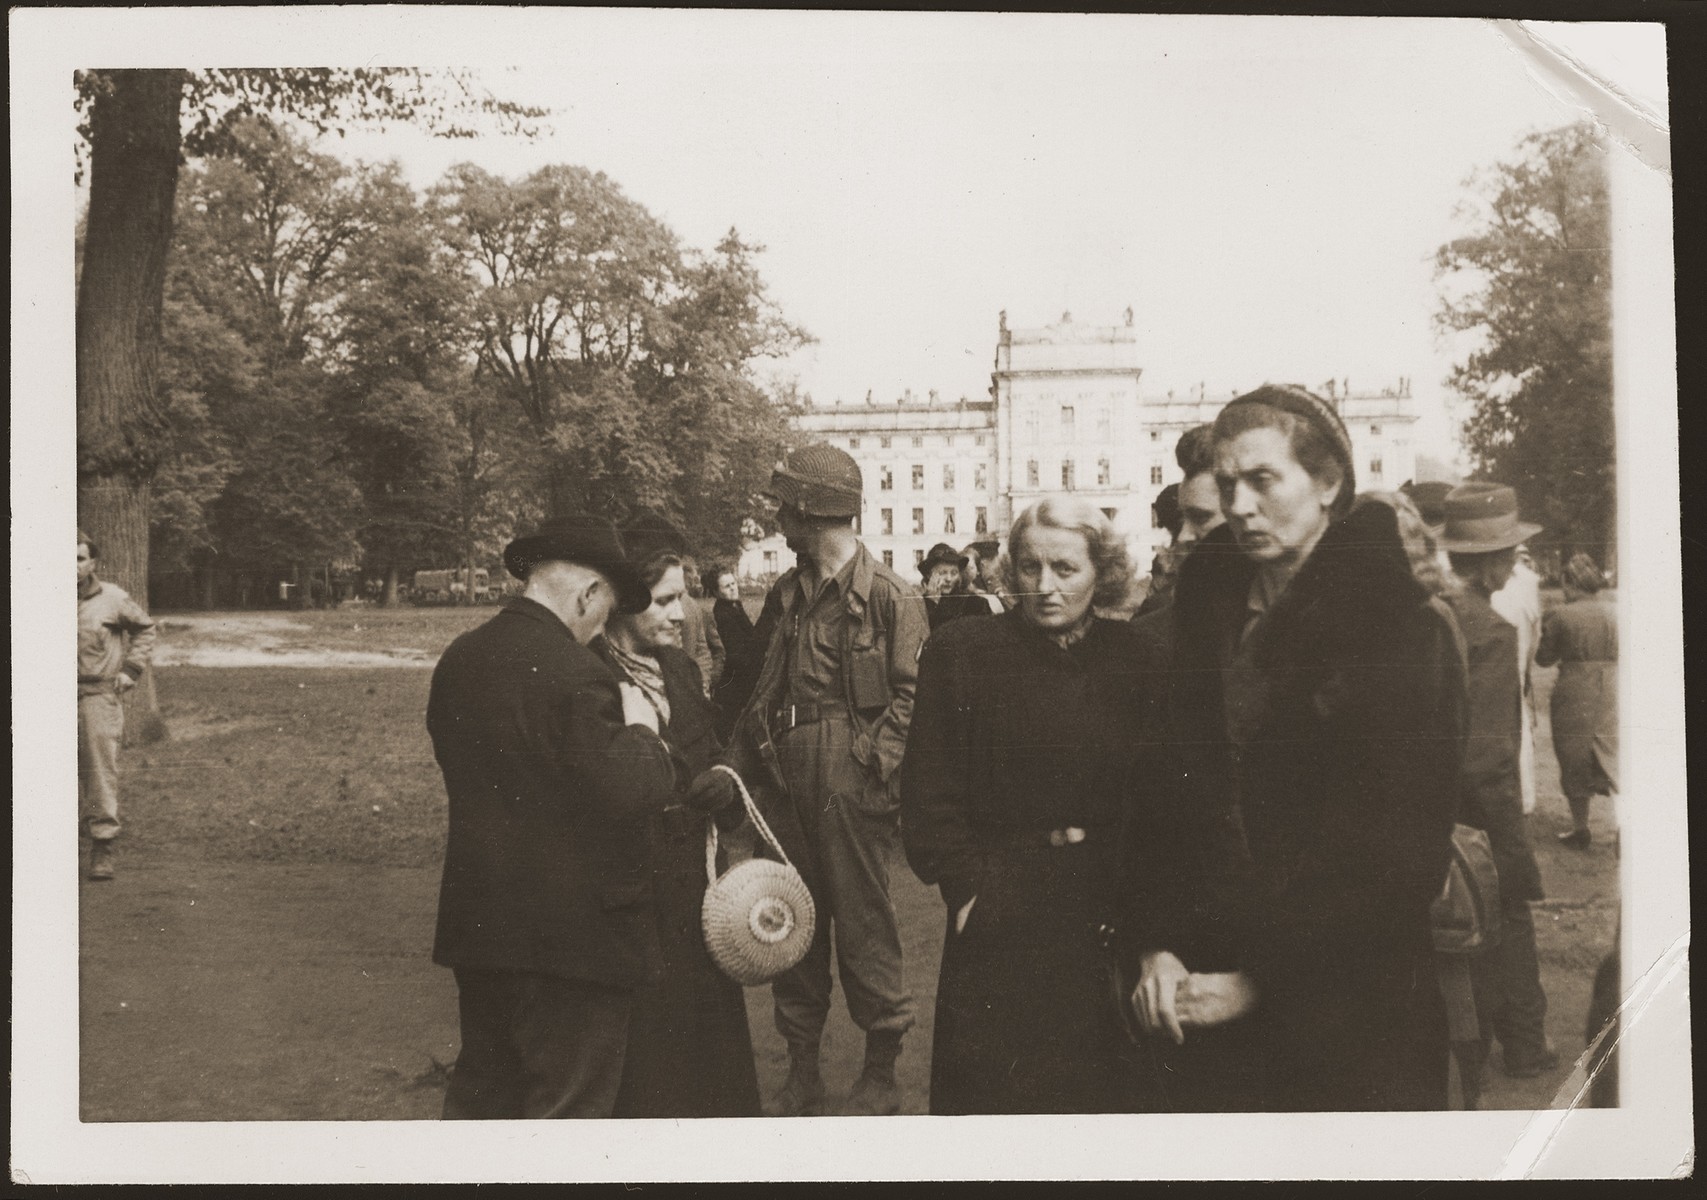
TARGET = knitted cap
(1321,416)
(820,481)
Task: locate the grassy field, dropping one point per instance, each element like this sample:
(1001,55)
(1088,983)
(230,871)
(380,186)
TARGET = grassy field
(264,951)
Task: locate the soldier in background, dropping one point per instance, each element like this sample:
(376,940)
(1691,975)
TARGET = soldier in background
(821,742)
(115,638)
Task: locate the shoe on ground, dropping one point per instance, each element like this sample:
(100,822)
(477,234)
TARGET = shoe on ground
(1577,839)
(101,861)
(802,1093)
(1529,1068)
(875,1094)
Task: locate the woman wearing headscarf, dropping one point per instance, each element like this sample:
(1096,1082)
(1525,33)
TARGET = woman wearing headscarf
(1317,688)
(1012,793)
(689,1051)
(1582,637)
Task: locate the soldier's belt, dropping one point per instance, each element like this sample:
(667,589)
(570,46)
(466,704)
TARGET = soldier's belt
(792,716)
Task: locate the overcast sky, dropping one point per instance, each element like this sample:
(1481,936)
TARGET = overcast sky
(1264,192)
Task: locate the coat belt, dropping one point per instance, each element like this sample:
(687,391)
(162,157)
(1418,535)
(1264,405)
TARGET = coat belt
(791,716)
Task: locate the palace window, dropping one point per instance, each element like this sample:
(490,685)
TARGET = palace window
(853,443)
(979,440)
(1105,426)
(980,476)
(1156,475)
(1031,476)
(1067,474)
(1155,435)
(1375,431)
(883,442)
(889,521)
(948,520)
(918,520)
(918,556)
(1069,424)
(918,442)
(980,520)
(1375,468)
(889,559)
(918,477)
(1104,471)
(886,479)
(948,477)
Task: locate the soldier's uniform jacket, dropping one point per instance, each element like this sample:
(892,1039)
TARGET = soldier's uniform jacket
(864,657)
(114,635)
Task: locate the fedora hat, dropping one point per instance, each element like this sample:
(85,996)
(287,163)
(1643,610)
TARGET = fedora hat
(1481,518)
(585,539)
(942,552)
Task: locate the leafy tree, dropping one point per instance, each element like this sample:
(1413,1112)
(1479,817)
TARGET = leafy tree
(1530,287)
(570,274)
(134,131)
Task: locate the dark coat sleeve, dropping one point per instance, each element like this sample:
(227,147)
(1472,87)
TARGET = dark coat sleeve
(1183,877)
(936,800)
(1367,871)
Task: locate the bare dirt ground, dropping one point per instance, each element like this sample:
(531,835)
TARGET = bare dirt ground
(264,952)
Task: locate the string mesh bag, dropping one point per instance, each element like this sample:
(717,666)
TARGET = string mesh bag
(758,917)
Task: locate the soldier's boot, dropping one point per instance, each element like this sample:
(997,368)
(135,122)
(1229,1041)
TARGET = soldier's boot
(802,1093)
(101,860)
(875,1093)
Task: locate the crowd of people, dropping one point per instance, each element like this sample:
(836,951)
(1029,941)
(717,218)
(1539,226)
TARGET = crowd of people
(1189,837)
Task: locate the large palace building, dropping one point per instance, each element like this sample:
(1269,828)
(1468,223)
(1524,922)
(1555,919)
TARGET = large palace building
(1064,413)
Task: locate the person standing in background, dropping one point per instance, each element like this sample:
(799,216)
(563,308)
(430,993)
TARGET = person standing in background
(1189,515)
(115,639)
(940,577)
(1582,637)
(743,652)
(1481,536)
(979,557)
(700,637)
(1519,602)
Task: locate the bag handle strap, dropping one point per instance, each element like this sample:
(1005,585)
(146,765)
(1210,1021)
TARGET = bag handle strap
(752,815)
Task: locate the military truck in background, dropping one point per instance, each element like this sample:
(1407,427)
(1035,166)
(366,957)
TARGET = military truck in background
(449,587)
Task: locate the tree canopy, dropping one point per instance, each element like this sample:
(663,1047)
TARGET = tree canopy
(1529,289)
(355,373)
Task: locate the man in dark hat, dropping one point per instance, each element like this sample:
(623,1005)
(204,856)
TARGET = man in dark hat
(1480,534)
(821,743)
(941,574)
(552,770)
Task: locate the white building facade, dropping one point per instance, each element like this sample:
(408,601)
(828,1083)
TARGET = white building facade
(1064,414)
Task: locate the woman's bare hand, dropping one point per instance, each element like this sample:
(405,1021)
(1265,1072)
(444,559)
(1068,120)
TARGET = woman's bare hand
(1159,981)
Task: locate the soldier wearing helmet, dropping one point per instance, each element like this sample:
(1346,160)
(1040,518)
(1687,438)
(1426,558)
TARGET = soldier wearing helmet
(821,742)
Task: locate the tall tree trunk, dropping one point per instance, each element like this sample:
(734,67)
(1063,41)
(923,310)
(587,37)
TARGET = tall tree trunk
(133,181)
(468,572)
(389,599)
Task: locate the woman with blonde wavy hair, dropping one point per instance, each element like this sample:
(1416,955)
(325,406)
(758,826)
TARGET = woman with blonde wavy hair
(1012,796)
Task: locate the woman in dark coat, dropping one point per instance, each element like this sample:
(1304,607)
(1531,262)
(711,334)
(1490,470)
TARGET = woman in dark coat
(1316,685)
(690,1053)
(1582,637)
(743,652)
(1011,798)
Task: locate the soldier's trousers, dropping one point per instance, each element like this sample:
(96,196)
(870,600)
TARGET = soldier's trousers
(854,829)
(100,729)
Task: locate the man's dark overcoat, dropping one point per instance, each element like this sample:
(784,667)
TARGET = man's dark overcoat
(546,865)
(1345,770)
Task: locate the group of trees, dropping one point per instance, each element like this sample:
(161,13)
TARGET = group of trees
(352,372)
(1530,287)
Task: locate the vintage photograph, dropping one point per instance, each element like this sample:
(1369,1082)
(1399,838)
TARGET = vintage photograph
(781,566)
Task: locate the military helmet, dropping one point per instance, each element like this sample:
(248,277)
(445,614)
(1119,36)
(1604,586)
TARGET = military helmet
(819,480)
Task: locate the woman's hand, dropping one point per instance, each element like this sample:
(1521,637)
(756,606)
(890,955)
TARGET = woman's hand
(1215,999)
(1159,981)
